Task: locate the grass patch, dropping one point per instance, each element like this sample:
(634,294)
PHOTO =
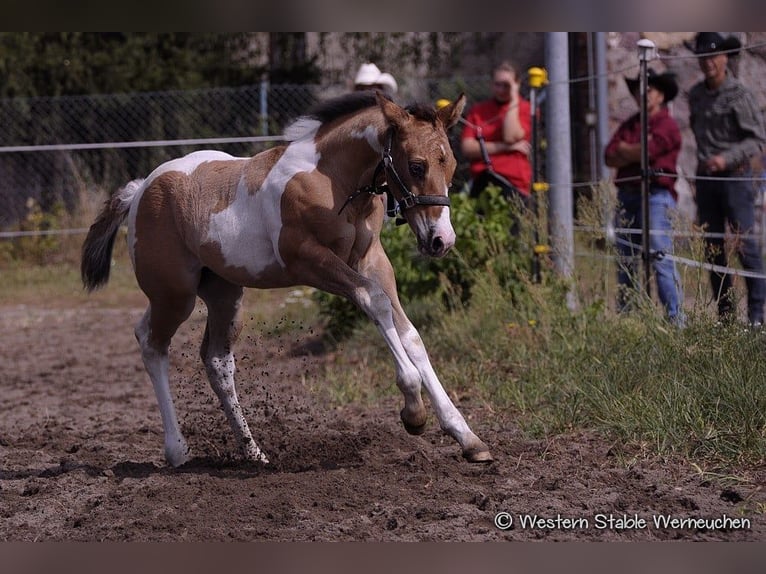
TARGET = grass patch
(697,392)
(22,283)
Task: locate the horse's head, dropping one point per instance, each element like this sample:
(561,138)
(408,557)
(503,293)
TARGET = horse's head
(419,169)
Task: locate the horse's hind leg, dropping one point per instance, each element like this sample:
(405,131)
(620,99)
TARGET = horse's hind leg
(224,301)
(154,332)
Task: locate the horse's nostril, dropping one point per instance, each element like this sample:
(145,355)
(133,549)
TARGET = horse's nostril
(437,244)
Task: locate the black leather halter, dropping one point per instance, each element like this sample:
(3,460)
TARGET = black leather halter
(393,205)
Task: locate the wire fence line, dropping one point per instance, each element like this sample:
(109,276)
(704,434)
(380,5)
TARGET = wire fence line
(53,148)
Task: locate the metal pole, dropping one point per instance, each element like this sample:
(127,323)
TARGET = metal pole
(559,163)
(590,115)
(264,105)
(646,52)
(537,79)
(602,123)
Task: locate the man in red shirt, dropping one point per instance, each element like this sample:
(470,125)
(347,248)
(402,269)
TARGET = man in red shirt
(504,125)
(624,153)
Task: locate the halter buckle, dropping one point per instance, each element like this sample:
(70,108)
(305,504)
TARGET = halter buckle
(407,201)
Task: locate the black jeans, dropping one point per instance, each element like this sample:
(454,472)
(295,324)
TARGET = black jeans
(733,202)
(489,177)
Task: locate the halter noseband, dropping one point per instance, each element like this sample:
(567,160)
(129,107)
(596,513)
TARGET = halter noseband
(393,205)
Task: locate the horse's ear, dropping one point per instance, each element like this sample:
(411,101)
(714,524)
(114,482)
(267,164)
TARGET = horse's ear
(450,114)
(395,115)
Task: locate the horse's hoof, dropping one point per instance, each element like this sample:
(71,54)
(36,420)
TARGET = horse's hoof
(253,453)
(414,429)
(478,455)
(261,459)
(177,454)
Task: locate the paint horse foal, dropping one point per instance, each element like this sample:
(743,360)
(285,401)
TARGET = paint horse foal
(209,224)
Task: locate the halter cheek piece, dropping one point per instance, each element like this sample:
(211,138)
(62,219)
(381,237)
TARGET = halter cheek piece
(394,206)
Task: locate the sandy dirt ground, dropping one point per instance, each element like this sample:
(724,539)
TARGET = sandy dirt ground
(81,456)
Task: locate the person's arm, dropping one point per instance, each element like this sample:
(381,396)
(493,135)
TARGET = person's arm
(626,154)
(618,153)
(472,151)
(750,122)
(469,143)
(664,140)
(513,131)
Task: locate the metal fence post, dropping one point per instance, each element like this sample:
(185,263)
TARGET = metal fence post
(264,105)
(538,78)
(559,138)
(646,52)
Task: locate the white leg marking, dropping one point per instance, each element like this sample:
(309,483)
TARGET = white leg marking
(157,363)
(378,307)
(450,419)
(414,368)
(220,371)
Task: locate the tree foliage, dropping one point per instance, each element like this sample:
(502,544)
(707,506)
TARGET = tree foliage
(73,63)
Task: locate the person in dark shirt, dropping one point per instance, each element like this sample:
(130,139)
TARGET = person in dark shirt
(729,131)
(624,153)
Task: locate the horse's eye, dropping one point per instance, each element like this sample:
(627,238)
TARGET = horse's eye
(417,169)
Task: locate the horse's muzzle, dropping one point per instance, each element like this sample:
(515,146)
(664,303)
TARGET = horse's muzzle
(436,246)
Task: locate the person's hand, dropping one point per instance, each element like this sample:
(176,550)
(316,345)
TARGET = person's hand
(715,164)
(522,146)
(515,84)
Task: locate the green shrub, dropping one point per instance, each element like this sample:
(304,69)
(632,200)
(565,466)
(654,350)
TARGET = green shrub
(38,249)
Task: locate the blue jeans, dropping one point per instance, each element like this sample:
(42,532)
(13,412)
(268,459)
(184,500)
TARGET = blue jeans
(719,202)
(661,205)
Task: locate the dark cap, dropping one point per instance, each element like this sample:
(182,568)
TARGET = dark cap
(710,42)
(665,82)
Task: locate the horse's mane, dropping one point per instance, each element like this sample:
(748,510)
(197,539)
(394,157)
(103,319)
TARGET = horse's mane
(422,112)
(329,110)
(332,109)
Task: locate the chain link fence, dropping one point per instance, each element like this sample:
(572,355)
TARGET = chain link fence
(52,150)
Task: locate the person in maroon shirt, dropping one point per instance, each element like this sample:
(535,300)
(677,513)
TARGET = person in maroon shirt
(505,125)
(624,153)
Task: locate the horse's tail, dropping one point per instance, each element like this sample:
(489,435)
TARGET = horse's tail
(97,248)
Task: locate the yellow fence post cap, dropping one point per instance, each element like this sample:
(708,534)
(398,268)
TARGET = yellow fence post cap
(538,77)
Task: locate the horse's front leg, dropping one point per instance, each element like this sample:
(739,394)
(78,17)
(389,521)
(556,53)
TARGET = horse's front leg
(373,289)
(371,297)
(450,419)
(417,368)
